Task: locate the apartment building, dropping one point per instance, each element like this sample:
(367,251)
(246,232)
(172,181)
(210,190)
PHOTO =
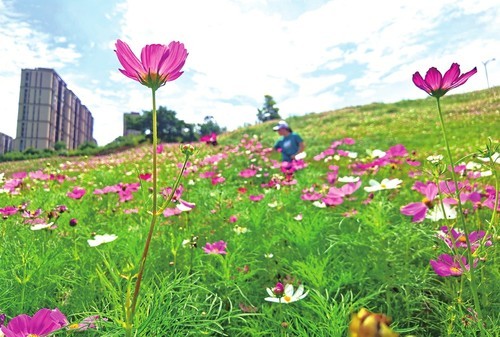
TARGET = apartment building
(49,113)
(6,143)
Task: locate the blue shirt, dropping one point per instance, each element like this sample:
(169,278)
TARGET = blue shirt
(289,146)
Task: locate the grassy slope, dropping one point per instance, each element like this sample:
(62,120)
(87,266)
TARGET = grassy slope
(470,118)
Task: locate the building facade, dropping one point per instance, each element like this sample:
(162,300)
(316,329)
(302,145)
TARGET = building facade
(50,113)
(6,143)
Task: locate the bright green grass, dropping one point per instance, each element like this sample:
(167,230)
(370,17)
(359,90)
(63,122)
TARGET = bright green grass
(377,259)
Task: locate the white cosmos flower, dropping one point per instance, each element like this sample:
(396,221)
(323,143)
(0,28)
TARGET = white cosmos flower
(435,159)
(100,239)
(301,155)
(352,155)
(269,255)
(39,226)
(436,213)
(240,230)
(495,157)
(289,295)
(298,217)
(376,153)
(486,173)
(473,166)
(319,204)
(385,184)
(348,179)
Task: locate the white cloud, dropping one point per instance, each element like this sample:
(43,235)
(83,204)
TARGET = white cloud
(332,56)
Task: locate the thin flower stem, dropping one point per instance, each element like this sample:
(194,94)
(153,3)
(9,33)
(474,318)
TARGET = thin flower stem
(131,310)
(462,217)
(142,263)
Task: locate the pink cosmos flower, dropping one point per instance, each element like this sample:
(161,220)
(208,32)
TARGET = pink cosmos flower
(447,265)
(218,247)
(145,176)
(210,139)
(8,210)
(39,175)
(87,323)
(171,212)
(185,206)
(77,193)
(436,85)
(19,175)
(208,174)
(159,63)
(43,323)
(459,239)
(419,209)
(159,148)
(247,173)
(218,180)
(258,197)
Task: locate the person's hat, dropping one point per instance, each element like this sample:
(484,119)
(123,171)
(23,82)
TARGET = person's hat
(281,125)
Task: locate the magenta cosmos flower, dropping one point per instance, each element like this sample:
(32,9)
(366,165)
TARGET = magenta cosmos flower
(447,265)
(437,85)
(418,210)
(218,247)
(77,193)
(43,323)
(158,65)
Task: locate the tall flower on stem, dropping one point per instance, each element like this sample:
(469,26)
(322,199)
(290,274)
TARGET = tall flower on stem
(437,85)
(158,65)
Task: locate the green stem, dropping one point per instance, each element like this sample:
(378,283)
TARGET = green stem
(462,218)
(131,311)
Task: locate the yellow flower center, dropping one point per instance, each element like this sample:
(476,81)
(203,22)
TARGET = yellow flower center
(73,326)
(462,238)
(287,298)
(428,203)
(455,270)
(32,335)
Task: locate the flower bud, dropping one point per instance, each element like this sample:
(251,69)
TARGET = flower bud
(187,149)
(368,324)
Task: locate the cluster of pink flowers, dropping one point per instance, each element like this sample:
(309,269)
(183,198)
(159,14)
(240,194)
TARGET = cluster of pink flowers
(438,200)
(455,264)
(123,190)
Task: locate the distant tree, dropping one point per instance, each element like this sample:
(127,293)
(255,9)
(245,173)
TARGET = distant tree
(170,128)
(268,111)
(209,126)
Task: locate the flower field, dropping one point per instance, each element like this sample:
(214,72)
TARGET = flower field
(369,221)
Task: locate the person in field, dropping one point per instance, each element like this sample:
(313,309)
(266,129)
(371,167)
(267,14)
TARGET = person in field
(290,144)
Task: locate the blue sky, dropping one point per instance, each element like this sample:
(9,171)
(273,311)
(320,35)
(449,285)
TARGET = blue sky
(310,55)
